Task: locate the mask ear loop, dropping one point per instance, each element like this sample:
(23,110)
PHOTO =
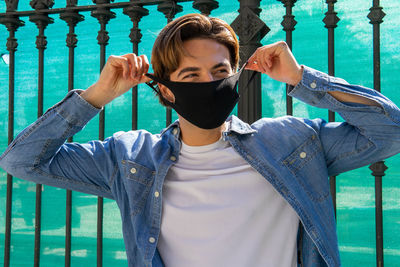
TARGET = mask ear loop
(153,84)
(253,74)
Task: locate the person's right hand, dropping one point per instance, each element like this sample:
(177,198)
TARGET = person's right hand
(119,74)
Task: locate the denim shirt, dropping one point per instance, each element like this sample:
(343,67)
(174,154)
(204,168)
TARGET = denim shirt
(295,155)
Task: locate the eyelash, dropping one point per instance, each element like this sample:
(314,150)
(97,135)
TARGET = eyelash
(195,75)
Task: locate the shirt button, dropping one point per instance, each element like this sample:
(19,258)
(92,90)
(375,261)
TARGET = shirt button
(173,158)
(152,240)
(313,85)
(174,131)
(133,170)
(303,155)
(156,194)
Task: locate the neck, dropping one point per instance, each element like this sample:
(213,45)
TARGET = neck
(194,136)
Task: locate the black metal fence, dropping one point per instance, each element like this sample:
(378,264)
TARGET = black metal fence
(250,29)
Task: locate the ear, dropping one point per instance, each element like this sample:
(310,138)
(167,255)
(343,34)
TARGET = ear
(166,93)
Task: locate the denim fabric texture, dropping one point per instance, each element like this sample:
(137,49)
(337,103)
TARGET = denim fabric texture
(295,155)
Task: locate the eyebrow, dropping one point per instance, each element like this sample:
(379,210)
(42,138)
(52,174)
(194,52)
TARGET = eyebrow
(189,69)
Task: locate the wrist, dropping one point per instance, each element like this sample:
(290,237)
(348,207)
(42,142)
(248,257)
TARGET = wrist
(96,97)
(298,76)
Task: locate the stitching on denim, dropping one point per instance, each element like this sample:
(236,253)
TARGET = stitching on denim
(113,176)
(36,165)
(141,169)
(356,151)
(69,180)
(142,200)
(336,102)
(264,170)
(28,132)
(315,196)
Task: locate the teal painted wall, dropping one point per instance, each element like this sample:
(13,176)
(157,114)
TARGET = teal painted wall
(356,227)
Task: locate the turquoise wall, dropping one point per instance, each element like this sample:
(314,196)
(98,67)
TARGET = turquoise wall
(355,189)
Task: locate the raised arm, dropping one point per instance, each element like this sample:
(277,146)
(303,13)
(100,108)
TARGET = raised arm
(39,153)
(372,128)
(277,61)
(120,74)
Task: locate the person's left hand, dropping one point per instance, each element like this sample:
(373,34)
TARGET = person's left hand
(277,61)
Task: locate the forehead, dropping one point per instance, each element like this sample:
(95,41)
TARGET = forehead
(203,52)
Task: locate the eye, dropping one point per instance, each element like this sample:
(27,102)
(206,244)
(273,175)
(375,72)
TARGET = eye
(221,73)
(191,75)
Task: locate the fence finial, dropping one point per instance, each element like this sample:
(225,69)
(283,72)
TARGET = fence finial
(12,5)
(205,6)
(41,4)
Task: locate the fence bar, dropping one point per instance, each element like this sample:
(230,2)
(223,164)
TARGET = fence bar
(288,24)
(331,19)
(135,13)
(41,20)
(169,8)
(376,16)
(205,6)
(378,170)
(103,15)
(11,47)
(250,29)
(12,23)
(72,18)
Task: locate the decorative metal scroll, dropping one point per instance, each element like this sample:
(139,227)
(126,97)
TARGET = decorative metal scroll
(250,29)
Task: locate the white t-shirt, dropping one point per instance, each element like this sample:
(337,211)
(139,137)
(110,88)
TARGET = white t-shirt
(218,211)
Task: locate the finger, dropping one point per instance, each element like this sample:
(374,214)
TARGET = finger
(261,63)
(139,71)
(145,79)
(146,63)
(133,64)
(252,63)
(117,63)
(252,66)
(269,62)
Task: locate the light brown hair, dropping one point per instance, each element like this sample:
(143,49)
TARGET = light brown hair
(168,47)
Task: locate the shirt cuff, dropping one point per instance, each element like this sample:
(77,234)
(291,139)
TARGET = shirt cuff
(74,109)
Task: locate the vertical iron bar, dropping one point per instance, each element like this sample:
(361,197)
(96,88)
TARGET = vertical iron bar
(135,49)
(11,83)
(103,15)
(331,19)
(288,24)
(250,29)
(72,18)
(376,16)
(12,23)
(41,20)
(169,8)
(378,170)
(38,207)
(135,13)
(68,204)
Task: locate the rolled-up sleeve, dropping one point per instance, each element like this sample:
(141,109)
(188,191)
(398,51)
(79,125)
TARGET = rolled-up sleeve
(370,133)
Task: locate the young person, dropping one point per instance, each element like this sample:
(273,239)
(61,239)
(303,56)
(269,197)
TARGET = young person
(211,190)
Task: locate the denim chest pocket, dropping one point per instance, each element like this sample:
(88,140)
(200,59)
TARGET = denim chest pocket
(138,181)
(308,166)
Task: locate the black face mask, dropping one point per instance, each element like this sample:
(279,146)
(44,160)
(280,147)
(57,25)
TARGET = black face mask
(204,104)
